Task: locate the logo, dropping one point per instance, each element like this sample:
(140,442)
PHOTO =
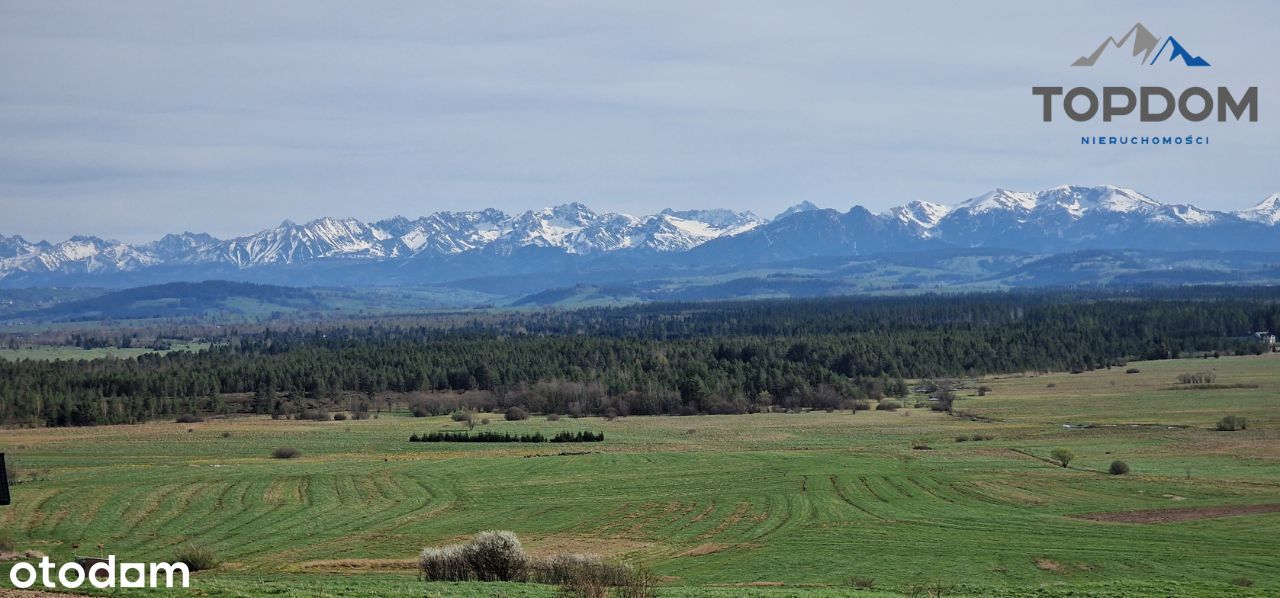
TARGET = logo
(1142,41)
(1147,103)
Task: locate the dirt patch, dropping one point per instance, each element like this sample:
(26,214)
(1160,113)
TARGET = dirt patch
(1048,565)
(353,565)
(1175,514)
(704,549)
(605,547)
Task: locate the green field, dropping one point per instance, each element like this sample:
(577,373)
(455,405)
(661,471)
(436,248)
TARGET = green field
(764,504)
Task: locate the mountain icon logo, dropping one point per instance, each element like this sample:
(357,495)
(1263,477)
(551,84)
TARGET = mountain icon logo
(1139,41)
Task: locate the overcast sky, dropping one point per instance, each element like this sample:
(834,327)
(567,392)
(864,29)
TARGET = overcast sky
(132,119)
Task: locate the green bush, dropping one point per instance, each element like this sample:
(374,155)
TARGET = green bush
(189,418)
(888,406)
(1118,468)
(197,558)
(286,452)
(1062,456)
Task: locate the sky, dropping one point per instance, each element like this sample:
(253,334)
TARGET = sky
(130,120)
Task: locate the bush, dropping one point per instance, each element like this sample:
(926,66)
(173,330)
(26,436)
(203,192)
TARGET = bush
(553,417)
(862,583)
(197,558)
(1062,456)
(189,418)
(339,417)
(226,434)
(516,414)
(484,422)
(315,415)
(1118,468)
(1232,423)
(7,544)
(489,556)
(286,452)
(461,415)
(1197,378)
(419,411)
(888,406)
(861,406)
(1243,582)
(1132,371)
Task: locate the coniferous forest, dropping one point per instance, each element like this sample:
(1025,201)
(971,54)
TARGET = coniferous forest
(726,357)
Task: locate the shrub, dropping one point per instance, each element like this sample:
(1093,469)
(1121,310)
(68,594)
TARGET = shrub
(445,563)
(189,418)
(1197,378)
(861,406)
(565,568)
(888,406)
(862,583)
(419,411)
(197,558)
(1118,468)
(1243,582)
(484,421)
(286,452)
(920,446)
(516,414)
(489,556)
(1132,371)
(496,556)
(461,415)
(226,434)
(315,415)
(553,417)
(339,417)
(1232,423)
(7,544)
(1062,456)
(983,390)
(962,438)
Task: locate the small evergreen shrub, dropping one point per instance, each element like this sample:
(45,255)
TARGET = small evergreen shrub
(286,452)
(1118,468)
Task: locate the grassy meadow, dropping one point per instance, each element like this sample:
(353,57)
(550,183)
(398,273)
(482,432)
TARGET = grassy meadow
(764,504)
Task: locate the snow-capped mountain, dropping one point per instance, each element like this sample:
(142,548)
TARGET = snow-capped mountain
(452,245)
(1266,212)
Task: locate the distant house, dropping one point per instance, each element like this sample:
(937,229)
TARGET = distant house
(1264,337)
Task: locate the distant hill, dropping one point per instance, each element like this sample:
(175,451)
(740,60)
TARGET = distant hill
(182,299)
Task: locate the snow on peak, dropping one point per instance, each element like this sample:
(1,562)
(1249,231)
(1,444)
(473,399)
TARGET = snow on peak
(1266,212)
(1001,199)
(923,214)
(804,206)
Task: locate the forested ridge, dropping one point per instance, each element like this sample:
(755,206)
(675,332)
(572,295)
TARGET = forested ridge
(650,359)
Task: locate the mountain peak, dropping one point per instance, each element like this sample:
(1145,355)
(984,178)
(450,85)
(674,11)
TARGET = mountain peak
(1266,212)
(804,206)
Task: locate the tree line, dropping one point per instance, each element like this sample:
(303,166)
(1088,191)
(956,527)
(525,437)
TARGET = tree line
(649,359)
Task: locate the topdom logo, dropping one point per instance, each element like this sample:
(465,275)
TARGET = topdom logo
(1144,42)
(1149,103)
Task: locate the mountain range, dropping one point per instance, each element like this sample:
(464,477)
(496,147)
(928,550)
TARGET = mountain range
(576,243)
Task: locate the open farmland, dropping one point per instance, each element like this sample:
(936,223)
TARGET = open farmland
(780,504)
